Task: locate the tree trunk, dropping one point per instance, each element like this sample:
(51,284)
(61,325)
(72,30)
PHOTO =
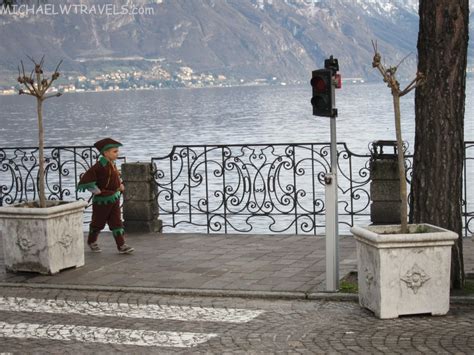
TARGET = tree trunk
(41,184)
(439,105)
(401,164)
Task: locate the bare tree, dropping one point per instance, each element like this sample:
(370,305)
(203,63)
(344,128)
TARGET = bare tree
(35,84)
(389,77)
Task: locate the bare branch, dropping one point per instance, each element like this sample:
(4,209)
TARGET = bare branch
(32,92)
(54,77)
(417,82)
(51,95)
(374,46)
(22,68)
(42,84)
(40,71)
(59,64)
(23,92)
(27,81)
(409,87)
(403,59)
(30,58)
(388,74)
(42,61)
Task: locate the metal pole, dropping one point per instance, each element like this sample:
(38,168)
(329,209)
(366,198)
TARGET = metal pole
(332,230)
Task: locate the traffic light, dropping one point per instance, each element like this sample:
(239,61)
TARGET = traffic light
(324,82)
(323,93)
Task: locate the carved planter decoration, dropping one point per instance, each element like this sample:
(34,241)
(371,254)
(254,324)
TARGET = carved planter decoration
(43,240)
(400,274)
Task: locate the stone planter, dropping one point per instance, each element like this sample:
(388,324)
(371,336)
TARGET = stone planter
(43,240)
(400,274)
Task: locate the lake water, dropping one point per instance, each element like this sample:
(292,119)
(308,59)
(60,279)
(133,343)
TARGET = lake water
(149,123)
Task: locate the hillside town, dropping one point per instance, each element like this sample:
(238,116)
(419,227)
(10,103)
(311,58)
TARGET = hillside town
(156,78)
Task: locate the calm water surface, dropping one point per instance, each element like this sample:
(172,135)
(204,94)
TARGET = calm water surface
(149,123)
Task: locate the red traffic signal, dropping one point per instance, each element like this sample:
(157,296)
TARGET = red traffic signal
(319,84)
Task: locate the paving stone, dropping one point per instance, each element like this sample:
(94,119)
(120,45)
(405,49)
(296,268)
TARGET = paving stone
(273,262)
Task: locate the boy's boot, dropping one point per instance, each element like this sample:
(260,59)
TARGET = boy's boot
(120,241)
(92,240)
(126,249)
(95,247)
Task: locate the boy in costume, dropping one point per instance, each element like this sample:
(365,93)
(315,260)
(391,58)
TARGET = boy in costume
(103,180)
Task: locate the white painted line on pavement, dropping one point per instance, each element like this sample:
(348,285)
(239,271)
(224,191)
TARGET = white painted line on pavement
(151,311)
(102,335)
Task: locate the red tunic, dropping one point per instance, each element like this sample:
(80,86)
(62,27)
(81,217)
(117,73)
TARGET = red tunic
(104,175)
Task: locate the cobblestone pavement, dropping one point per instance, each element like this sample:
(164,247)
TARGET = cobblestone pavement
(58,322)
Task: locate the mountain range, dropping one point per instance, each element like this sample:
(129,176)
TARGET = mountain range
(244,39)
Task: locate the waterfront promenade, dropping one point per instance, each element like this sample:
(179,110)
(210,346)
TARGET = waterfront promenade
(211,263)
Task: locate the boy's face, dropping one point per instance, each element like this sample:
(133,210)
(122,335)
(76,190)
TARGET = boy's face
(111,154)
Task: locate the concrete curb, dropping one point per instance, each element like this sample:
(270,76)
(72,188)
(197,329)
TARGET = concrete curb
(181,291)
(288,295)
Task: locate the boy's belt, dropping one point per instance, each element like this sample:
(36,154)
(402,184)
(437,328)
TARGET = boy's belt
(102,200)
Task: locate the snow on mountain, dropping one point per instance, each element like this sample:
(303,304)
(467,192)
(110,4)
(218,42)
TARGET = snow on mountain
(237,38)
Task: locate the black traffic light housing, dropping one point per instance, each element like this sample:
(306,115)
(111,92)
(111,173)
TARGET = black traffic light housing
(323,82)
(323,93)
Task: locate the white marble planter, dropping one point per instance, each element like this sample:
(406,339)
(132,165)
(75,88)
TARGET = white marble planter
(400,274)
(44,240)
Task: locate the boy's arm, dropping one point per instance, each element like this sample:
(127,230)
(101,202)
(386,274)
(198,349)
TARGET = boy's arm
(94,190)
(88,180)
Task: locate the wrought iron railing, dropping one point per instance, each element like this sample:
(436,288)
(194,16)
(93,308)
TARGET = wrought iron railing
(258,188)
(266,188)
(64,167)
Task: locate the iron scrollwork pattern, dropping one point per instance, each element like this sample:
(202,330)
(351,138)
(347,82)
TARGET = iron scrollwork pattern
(64,166)
(257,187)
(268,188)
(262,188)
